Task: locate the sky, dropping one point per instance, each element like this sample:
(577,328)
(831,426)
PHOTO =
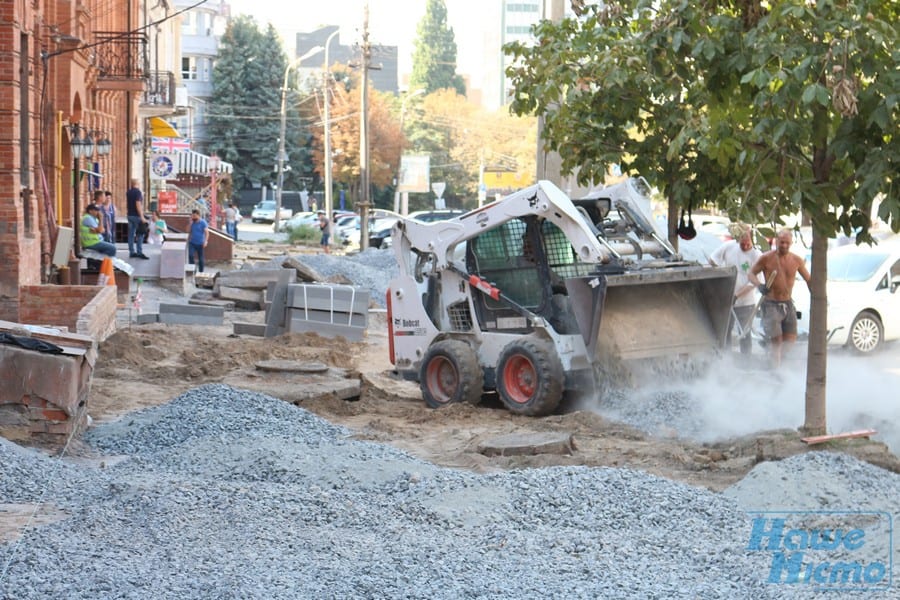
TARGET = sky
(391,22)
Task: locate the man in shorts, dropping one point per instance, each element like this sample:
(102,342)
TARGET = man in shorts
(779,317)
(324,226)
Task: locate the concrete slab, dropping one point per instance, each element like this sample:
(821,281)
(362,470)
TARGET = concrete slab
(330,318)
(297,388)
(329,330)
(178,319)
(191,309)
(257,329)
(256,279)
(527,444)
(291,366)
(275,313)
(241,297)
(223,304)
(304,272)
(337,298)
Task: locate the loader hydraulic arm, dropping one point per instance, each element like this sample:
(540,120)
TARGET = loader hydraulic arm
(542,199)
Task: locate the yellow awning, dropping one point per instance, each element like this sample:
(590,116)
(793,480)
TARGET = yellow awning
(160,128)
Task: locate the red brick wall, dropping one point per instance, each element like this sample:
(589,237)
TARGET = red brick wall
(70,94)
(85,309)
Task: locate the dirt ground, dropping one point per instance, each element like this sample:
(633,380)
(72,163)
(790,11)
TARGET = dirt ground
(147,365)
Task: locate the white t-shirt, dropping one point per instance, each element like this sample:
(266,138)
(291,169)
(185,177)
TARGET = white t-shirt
(730,254)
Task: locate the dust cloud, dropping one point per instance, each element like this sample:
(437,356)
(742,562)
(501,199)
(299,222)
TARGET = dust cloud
(740,395)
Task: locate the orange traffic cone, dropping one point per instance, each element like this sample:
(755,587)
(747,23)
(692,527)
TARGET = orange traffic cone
(106,277)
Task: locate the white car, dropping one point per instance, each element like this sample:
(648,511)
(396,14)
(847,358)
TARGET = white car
(346,229)
(301,219)
(264,212)
(863,296)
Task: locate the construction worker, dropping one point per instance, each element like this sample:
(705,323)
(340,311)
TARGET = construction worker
(92,232)
(740,253)
(779,316)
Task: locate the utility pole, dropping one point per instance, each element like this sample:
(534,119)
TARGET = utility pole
(364,134)
(326,80)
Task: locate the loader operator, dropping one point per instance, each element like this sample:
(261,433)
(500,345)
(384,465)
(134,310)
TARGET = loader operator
(779,317)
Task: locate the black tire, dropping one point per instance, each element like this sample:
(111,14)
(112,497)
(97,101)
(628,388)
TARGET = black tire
(450,373)
(866,333)
(530,378)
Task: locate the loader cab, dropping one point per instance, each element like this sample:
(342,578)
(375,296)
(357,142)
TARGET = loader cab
(527,259)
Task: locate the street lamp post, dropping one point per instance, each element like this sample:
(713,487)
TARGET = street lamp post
(281,150)
(213,191)
(327,136)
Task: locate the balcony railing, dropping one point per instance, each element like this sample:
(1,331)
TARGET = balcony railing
(160,89)
(121,55)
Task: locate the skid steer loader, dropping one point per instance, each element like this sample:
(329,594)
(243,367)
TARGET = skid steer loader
(535,294)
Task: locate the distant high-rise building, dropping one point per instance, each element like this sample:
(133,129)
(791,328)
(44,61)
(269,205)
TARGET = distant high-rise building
(382,66)
(201,28)
(516,18)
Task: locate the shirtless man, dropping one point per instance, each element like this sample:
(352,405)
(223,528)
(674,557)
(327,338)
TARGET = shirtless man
(779,317)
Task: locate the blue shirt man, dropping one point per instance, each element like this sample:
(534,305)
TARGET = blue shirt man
(197,239)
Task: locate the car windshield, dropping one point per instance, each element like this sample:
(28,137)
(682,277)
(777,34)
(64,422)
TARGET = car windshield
(854,266)
(266,205)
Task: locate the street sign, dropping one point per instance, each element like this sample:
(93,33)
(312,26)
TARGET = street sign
(162,167)
(414,171)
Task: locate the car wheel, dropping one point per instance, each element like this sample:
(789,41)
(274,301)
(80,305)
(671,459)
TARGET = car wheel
(866,333)
(450,373)
(530,377)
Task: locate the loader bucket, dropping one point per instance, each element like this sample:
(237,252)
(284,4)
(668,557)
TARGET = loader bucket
(660,313)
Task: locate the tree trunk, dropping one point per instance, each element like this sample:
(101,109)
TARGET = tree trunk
(817,357)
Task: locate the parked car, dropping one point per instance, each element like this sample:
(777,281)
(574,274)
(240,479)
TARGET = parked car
(380,232)
(381,237)
(863,296)
(264,212)
(301,219)
(430,216)
(346,229)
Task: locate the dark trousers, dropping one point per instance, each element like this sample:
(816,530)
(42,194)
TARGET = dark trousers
(198,249)
(135,240)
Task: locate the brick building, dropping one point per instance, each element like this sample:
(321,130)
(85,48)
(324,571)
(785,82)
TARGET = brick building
(70,71)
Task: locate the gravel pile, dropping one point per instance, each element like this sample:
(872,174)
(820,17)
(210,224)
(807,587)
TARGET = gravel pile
(370,270)
(230,494)
(828,491)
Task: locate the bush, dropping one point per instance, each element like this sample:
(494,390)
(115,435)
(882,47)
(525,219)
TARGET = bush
(304,235)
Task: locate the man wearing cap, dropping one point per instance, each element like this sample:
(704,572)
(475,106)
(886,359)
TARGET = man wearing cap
(92,230)
(739,253)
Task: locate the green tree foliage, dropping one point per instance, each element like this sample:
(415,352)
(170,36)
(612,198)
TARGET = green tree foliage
(617,86)
(764,108)
(461,138)
(246,106)
(434,53)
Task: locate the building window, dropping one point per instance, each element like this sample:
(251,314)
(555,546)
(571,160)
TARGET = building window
(189,23)
(518,29)
(522,7)
(189,68)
